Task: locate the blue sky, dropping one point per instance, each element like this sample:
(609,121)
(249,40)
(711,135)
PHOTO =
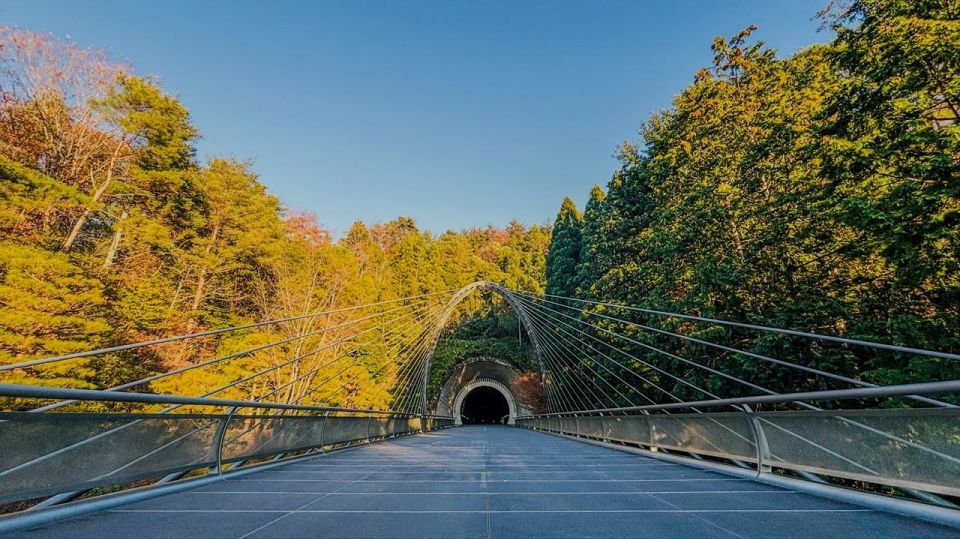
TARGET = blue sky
(455,113)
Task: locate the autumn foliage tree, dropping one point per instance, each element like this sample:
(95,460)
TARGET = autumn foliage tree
(112,232)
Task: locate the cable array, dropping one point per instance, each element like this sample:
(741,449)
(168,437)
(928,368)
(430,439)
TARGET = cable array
(332,357)
(598,360)
(594,358)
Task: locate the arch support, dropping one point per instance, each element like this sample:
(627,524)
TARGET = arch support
(447,312)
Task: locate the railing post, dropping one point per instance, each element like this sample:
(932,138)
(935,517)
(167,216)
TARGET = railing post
(369,423)
(220,435)
(760,440)
(651,430)
(646,417)
(323,427)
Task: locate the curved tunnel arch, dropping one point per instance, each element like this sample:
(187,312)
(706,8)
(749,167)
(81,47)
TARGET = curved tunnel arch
(447,312)
(484,382)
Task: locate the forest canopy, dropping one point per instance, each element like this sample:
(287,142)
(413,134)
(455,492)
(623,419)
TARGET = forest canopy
(817,192)
(112,231)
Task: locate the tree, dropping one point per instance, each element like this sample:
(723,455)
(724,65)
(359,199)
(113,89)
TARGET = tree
(26,198)
(240,226)
(564,251)
(815,192)
(50,307)
(890,143)
(589,264)
(110,233)
(47,93)
(158,130)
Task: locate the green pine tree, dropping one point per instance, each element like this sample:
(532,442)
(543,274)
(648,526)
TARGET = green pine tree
(564,253)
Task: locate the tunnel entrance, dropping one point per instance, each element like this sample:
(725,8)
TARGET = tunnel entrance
(484,405)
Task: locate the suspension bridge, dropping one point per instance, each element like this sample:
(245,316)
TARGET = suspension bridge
(631,422)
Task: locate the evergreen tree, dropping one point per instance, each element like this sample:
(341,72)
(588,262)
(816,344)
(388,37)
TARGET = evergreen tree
(49,307)
(813,192)
(890,144)
(564,253)
(592,243)
(158,124)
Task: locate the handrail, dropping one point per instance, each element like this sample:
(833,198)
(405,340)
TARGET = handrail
(926,388)
(40,392)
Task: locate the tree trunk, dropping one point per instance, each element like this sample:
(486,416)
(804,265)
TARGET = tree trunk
(198,293)
(75,231)
(304,326)
(78,226)
(202,278)
(115,244)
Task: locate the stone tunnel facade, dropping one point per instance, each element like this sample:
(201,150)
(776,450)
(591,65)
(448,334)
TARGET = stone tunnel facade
(522,390)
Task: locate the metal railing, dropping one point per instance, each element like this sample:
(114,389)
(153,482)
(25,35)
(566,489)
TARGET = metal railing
(907,448)
(51,453)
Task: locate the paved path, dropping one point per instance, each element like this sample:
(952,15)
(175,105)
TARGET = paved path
(488,482)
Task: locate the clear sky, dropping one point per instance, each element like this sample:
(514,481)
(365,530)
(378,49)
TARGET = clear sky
(452,112)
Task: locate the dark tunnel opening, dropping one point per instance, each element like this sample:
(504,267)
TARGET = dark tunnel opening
(484,405)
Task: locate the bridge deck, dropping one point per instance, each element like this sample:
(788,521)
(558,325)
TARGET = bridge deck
(488,482)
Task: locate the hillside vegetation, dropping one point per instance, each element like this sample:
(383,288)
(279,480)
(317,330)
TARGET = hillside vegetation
(817,192)
(112,231)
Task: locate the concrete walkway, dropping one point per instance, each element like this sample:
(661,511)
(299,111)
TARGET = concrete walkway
(489,482)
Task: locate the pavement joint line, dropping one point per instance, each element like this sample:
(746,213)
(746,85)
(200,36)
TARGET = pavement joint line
(646,469)
(387,511)
(493,465)
(494,481)
(541,493)
(317,499)
(696,516)
(437,472)
(486,490)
